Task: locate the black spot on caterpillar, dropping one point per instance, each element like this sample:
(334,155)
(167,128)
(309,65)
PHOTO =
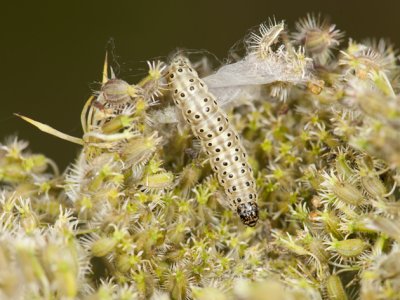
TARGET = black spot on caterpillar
(219,139)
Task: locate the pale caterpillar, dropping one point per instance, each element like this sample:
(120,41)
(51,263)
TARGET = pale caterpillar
(218,138)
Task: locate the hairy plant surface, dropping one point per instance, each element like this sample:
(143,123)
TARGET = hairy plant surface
(141,215)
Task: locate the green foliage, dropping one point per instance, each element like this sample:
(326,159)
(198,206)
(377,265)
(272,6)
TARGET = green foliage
(139,215)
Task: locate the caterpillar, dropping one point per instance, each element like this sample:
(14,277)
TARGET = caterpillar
(209,123)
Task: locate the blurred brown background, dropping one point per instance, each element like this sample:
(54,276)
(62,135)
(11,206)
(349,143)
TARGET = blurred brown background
(52,51)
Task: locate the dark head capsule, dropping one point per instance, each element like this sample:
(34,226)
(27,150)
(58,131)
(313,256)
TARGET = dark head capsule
(248,213)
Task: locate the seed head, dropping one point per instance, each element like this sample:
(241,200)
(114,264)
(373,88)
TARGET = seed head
(318,37)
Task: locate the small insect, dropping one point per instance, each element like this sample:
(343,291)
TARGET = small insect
(210,125)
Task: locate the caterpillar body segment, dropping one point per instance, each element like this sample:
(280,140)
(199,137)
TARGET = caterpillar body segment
(209,123)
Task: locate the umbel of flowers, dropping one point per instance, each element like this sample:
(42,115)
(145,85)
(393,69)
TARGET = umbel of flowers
(141,215)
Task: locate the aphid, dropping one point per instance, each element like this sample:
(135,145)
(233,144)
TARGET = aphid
(220,141)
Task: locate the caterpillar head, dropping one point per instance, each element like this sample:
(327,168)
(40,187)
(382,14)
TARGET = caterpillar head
(248,213)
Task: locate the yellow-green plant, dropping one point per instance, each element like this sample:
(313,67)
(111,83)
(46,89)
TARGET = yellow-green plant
(140,214)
